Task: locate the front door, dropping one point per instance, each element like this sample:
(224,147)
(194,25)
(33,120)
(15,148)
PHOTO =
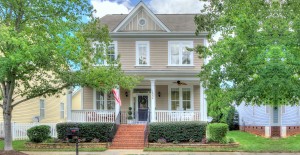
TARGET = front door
(142,101)
(275,129)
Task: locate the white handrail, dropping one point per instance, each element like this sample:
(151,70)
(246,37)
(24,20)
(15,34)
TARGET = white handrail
(93,116)
(175,116)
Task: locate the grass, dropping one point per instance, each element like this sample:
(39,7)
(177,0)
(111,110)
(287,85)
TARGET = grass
(18,145)
(248,143)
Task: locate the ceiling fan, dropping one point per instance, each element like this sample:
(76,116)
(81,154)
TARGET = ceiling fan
(180,83)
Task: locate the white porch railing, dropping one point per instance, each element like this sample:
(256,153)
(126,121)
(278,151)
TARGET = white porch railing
(93,116)
(175,116)
(19,130)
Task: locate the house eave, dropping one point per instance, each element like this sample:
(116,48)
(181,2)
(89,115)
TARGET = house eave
(157,34)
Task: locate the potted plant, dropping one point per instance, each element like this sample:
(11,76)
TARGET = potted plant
(129,118)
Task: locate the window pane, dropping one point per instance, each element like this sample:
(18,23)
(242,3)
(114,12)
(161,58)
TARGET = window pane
(175,105)
(186,56)
(111,53)
(186,94)
(175,53)
(110,105)
(186,105)
(142,54)
(174,93)
(99,96)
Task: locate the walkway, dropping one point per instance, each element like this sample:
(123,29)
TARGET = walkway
(131,152)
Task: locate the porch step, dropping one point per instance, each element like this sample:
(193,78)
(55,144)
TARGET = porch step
(129,137)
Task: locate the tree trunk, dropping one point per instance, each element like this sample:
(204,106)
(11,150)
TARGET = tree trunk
(7,112)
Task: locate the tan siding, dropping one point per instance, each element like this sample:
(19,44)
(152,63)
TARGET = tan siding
(87,98)
(162,101)
(125,100)
(158,55)
(76,101)
(197,98)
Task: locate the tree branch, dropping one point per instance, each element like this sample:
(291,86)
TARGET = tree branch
(37,95)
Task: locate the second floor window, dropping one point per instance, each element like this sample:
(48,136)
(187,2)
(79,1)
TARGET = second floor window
(105,101)
(62,110)
(142,53)
(42,108)
(178,53)
(111,54)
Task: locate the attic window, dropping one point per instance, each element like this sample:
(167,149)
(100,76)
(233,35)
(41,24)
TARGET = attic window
(142,22)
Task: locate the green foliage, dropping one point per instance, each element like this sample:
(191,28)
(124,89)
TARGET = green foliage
(216,132)
(177,131)
(39,133)
(129,113)
(257,59)
(87,131)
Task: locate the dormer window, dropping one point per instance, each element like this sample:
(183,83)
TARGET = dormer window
(142,22)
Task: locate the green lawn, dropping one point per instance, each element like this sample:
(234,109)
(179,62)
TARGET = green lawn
(249,143)
(18,145)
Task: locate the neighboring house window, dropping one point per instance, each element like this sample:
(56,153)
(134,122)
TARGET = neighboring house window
(142,53)
(178,53)
(105,101)
(62,110)
(111,54)
(42,108)
(181,99)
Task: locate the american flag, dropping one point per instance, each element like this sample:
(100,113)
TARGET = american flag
(117,97)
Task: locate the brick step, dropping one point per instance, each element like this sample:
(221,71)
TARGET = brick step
(128,140)
(122,147)
(129,136)
(128,145)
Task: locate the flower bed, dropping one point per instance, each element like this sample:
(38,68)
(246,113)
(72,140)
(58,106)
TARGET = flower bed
(64,145)
(193,145)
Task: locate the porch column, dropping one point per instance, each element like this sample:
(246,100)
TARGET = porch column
(203,104)
(117,106)
(69,105)
(153,101)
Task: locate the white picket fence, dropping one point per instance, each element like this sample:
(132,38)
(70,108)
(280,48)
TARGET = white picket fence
(19,130)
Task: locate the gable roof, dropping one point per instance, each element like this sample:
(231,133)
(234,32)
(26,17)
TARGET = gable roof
(174,22)
(139,6)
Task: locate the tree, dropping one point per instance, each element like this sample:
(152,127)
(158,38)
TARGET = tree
(257,59)
(45,48)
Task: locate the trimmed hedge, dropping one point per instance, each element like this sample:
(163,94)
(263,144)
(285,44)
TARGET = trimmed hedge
(216,132)
(39,133)
(87,131)
(177,131)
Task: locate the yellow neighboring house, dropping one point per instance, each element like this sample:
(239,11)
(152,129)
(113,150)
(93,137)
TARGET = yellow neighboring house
(44,110)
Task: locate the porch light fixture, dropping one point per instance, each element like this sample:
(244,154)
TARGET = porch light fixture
(159,94)
(126,94)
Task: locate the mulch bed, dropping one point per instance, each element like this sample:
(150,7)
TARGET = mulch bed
(11,153)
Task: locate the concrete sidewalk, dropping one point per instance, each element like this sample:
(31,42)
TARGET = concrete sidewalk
(141,152)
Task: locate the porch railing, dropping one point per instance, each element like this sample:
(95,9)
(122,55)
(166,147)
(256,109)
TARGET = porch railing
(175,116)
(93,116)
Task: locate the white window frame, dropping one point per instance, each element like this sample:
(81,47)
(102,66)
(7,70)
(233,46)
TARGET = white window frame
(180,97)
(42,101)
(137,43)
(191,45)
(62,110)
(115,43)
(105,101)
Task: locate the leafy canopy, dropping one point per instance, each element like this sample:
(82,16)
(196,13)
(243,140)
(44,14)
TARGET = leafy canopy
(258,58)
(46,47)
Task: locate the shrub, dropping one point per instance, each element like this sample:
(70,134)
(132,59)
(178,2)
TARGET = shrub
(87,131)
(177,131)
(129,114)
(162,141)
(231,140)
(232,119)
(216,132)
(39,133)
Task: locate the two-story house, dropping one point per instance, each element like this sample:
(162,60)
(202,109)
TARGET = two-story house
(153,46)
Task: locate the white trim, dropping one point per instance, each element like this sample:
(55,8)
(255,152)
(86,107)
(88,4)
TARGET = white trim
(137,43)
(135,11)
(181,42)
(82,98)
(180,96)
(40,108)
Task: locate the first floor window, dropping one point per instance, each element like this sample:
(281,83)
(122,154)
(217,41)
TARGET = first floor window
(181,99)
(42,108)
(62,110)
(105,101)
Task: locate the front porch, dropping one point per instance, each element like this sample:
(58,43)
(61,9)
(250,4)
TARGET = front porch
(138,118)
(154,100)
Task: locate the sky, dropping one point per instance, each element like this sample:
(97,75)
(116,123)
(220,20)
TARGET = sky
(104,7)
